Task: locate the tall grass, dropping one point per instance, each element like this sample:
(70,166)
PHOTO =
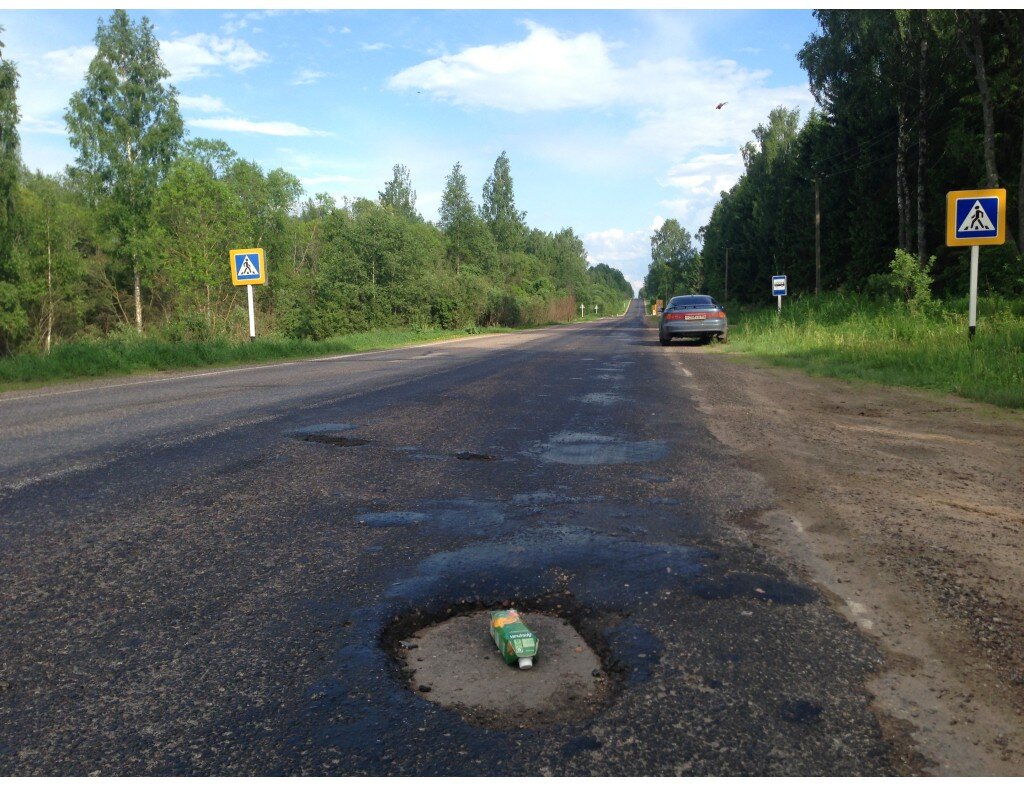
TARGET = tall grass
(127,354)
(855,337)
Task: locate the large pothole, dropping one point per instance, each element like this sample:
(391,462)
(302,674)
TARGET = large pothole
(456,664)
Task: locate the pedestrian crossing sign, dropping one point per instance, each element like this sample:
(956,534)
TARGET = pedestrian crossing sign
(248,266)
(976,218)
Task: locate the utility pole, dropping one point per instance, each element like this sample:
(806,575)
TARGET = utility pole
(817,239)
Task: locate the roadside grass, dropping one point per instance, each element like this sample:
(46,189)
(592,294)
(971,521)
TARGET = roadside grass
(858,338)
(128,354)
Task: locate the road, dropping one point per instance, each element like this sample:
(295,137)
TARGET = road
(192,587)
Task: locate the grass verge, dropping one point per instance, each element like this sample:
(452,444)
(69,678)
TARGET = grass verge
(130,355)
(858,338)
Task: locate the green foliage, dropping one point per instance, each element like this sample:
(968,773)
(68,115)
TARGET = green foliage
(675,264)
(55,244)
(911,279)
(902,121)
(499,207)
(398,194)
(143,217)
(125,125)
(856,337)
(13,319)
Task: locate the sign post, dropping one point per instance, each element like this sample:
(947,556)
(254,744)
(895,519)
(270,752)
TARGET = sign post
(248,268)
(779,289)
(975,218)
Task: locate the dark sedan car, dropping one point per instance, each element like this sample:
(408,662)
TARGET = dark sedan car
(693,316)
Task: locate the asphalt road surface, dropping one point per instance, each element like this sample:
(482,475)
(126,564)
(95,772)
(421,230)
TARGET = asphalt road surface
(189,585)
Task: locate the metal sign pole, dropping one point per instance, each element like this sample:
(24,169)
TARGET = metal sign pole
(972,309)
(252,314)
(780,304)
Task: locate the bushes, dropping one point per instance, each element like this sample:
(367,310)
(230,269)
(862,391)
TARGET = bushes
(857,337)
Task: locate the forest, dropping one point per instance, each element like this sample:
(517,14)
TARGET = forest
(134,237)
(912,104)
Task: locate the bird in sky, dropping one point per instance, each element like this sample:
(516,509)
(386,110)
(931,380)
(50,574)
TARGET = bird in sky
(721,105)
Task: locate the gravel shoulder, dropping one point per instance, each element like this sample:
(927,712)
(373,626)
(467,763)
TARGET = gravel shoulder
(907,508)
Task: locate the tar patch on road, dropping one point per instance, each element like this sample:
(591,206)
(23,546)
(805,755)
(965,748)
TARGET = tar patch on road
(455,663)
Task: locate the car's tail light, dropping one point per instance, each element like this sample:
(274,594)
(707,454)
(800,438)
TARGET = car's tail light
(673,317)
(717,315)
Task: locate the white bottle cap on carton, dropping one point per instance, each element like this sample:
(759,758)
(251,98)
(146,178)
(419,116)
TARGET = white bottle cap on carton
(526,663)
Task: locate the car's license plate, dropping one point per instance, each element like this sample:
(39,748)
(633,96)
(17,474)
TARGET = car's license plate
(695,316)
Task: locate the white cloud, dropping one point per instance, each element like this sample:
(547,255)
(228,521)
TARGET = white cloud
(375,47)
(613,246)
(42,126)
(307,77)
(235,22)
(701,178)
(199,54)
(666,103)
(70,63)
(269,128)
(543,72)
(203,103)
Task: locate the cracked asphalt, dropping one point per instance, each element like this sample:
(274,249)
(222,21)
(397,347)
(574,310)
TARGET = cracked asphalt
(206,574)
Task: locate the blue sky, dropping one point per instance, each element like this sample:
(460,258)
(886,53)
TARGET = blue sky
(608,117)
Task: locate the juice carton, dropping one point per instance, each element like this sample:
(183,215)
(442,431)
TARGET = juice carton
(514,640)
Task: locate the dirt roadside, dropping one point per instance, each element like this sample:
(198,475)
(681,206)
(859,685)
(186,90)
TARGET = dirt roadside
(907,509)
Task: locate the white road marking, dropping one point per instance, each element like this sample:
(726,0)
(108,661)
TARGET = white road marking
(686,371)
(234,370)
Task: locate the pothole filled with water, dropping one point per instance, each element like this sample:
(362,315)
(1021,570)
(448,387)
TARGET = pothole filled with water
(336,439)
(455,663)
(329,433)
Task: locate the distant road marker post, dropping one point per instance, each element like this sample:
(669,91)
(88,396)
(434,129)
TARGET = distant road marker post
(248,268)
(975,218)
(779,289)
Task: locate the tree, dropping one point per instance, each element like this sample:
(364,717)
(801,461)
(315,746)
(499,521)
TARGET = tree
(55,236)
(12,316)
(398,193)
(675,264)
(499,207)
(467,237)
(126,127)
(197,217)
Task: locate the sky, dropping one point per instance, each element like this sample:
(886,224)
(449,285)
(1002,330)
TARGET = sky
(608,117)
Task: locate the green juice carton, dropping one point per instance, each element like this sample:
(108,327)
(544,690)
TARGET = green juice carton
(515,641)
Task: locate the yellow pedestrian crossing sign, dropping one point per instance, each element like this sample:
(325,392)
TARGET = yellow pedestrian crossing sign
(248,266)
(976,218)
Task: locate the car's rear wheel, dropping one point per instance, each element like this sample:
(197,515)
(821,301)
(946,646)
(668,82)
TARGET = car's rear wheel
(665,341)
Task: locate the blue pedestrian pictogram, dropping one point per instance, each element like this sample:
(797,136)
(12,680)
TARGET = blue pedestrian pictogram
(977,217)
(247,267)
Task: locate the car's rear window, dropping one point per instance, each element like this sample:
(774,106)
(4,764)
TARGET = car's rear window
(691,300)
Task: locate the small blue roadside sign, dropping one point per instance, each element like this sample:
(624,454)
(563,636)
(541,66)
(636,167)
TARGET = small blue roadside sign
(778,285)
(976,218)
(247,266)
